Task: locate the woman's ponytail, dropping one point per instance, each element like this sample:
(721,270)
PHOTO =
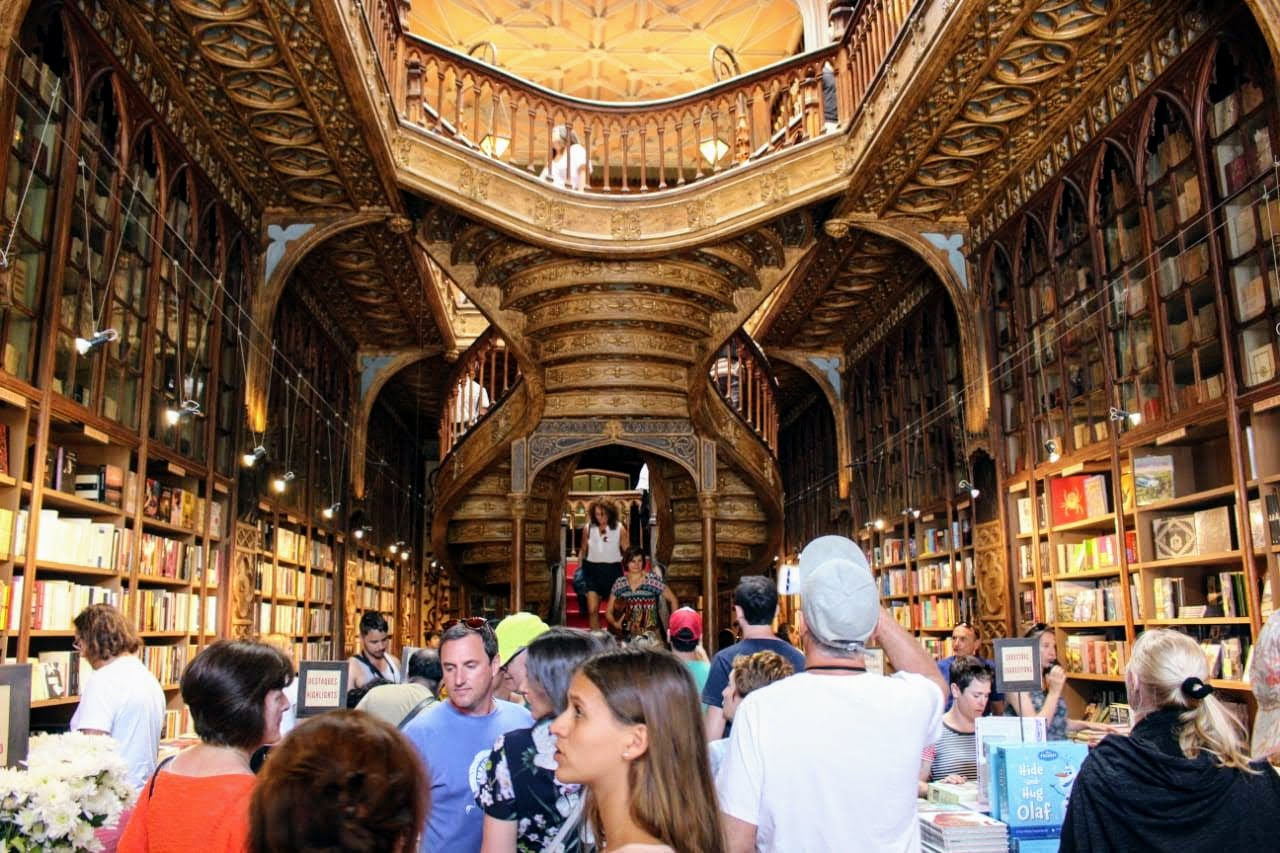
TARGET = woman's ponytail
(1169,670)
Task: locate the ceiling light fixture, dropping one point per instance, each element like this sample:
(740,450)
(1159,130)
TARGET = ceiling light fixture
(1051,447)
(494,145)
(279,484)
(189,408)
(1134,418)
(966,486)
(84,346)
(254,456)
(713,149)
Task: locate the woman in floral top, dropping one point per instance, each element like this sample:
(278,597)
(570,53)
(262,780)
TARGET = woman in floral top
(638,591)
(525,808)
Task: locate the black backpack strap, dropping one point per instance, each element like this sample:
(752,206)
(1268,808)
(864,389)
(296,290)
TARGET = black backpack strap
(151,786)
(417,709)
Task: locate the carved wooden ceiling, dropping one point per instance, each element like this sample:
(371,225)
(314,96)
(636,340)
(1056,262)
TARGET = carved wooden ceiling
(259,82)
(615,50)
(1020,72)
(842,291)
(256,85)
(368,284)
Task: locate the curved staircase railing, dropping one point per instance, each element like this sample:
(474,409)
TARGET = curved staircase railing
(740,374)
(483,377)
(644,146)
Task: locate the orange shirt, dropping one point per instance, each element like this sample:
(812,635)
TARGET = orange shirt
(182,813)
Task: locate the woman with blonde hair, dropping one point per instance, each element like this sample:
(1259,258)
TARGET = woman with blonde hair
(1182,780)
(632,734)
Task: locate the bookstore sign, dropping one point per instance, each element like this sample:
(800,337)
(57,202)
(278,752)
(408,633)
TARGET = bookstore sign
(1018,665)
(322,686)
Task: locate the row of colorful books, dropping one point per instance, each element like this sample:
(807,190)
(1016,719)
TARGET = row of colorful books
(180,507)
(166,662)
(173,611)
(55,603)
(294,618)
(1094,654)
(1090,601)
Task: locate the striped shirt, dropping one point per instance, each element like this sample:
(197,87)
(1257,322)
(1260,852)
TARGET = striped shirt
(953,754)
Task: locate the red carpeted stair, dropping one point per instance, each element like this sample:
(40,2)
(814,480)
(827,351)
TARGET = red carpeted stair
(575,615)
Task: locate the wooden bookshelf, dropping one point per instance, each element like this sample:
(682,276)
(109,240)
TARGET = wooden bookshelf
(1167,224)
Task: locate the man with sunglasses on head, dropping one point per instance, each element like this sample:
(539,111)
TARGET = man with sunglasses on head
(455,737)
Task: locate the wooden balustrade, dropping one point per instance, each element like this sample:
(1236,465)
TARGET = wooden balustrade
(643,146)
(384,20)
(484,375)
(741,375)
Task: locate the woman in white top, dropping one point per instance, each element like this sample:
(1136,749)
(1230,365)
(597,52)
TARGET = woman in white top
(600,556)
(568,166)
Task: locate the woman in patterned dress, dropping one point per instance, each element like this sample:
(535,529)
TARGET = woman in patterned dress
(636,593)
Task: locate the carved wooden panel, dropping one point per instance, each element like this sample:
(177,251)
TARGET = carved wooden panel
(992,577)
(248,539)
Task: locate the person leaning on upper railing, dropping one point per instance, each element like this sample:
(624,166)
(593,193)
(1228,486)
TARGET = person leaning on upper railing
(569,165)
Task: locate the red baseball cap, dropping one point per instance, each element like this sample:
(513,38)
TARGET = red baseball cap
(687,622)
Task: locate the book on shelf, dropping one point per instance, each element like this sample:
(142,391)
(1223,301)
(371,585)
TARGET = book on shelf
(4,449)
(55,603)
(1174,536)
(1024,515)
(77,541)
(1162,476)
(1095,654)
(1168,595)
(1262,364)
(1224,114)
(1242,233)
(1069,503)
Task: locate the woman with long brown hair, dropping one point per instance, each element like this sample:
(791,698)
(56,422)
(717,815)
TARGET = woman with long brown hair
(632,734)
(604,539)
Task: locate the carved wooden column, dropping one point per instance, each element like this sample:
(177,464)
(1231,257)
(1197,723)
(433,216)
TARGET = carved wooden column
(519,502)
(707,503)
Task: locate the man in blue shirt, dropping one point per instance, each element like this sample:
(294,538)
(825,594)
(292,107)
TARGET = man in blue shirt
(964,641)
(755,603)
(454,738)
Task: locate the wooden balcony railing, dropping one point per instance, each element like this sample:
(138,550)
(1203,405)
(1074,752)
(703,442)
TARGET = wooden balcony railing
(484,375)
(742,377)
(637,146)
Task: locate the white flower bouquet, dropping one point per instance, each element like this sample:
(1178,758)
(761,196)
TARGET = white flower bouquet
(72,785)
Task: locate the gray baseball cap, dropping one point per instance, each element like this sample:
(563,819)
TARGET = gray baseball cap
(838,593)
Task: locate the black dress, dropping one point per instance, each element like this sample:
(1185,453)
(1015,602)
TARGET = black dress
(1141,793)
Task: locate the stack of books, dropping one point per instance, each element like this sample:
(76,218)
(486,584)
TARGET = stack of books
(946,827)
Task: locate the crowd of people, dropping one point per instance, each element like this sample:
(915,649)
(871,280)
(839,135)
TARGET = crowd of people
(527,737)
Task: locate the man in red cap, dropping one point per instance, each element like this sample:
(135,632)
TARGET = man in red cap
(684,630)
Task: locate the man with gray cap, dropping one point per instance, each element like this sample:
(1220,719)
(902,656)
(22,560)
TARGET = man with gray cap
(827,759)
